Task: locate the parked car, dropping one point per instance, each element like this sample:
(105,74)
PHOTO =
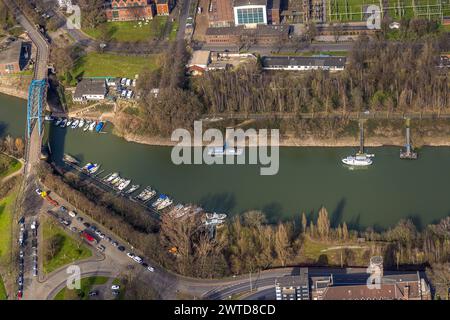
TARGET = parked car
(101,248)
(38,191)
(74,229)
(115,244)
(63,209)
(80,219)
(115,287)
(129,94)
(93,293)
(151,269)
(115,292)
(21,253)
(73,214)
(131,255)
(87,225)
(22,220)
(128,82)
(35,272)
(121,248)
(138,259)
(93,227)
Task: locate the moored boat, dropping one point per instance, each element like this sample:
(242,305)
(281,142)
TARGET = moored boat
(75,123)
(71,159)
(92,126)
(81,123)
(112,177)
(123,185)
(132,189)
(99,126)
(58,121)
(69,123)
(357,160)
(63,123)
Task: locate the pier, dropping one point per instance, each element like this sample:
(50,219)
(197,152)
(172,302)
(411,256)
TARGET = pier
(407,152)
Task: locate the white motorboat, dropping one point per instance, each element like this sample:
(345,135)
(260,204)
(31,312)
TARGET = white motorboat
(225,151)
(115,180)
(63,123)
(94,168)
(112,177)
(81,123)
(123,185)
(92,126)
(149,194)
(132,189)
(75,123)
(69,123)
(164,204)
(118,182)
(159,201)
(357,160)
(58,121)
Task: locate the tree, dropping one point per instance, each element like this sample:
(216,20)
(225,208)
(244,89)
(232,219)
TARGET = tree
(345,234)
(311,31)
(439,275)
(323,224)
(282,244)
(304,222)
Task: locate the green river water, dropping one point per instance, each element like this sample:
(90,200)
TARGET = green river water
(308,178)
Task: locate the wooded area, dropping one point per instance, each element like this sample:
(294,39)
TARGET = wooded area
(380,76)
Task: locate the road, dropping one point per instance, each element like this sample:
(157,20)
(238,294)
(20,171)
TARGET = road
(267,50)
(184,12)
(330,115)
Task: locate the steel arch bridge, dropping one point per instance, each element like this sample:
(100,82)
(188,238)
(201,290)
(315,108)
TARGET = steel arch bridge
(36,103)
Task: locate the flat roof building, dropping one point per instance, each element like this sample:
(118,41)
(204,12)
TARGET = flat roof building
(304,63)
(199,62)
(14,58)
(250,12)
(90,90)
(293,287)
(221,13)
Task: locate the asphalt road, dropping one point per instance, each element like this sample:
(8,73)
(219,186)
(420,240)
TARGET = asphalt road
(184,12)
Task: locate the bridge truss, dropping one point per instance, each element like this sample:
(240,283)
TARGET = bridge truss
(36,101)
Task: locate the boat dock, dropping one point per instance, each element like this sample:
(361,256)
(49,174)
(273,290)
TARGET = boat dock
(109,188)
(407,152)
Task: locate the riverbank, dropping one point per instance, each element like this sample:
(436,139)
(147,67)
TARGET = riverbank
(15,85)
(289,140)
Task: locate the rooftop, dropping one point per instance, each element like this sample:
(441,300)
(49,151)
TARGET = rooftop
(240,3)
(12,53)
(200,57)
(319,61)
(260,30)
(90,87)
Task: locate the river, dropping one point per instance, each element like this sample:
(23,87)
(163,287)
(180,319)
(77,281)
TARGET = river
(308,178)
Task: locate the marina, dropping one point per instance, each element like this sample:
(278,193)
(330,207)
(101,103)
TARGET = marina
(75,123)
(309,177)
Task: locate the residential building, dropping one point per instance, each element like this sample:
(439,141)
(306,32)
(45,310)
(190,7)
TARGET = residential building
(163,7)
(250,12)
(14,58)
(304,63)
(199,62)
(220,13)
(293,287)
(90,90)
(129,10)
(261,35)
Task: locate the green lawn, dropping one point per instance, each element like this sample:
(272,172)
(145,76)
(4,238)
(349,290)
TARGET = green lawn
(8,165)
(173,32)
(3,295)
(111,65)
(83,293)
(129,30)
(6,216)
(68,249)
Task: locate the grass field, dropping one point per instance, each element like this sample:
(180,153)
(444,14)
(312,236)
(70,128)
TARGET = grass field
(111,65)
(130,30)
(69,250)
(83,293)
(329,254)
(8,165)
(6,216)
(3,295)
(352,10)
